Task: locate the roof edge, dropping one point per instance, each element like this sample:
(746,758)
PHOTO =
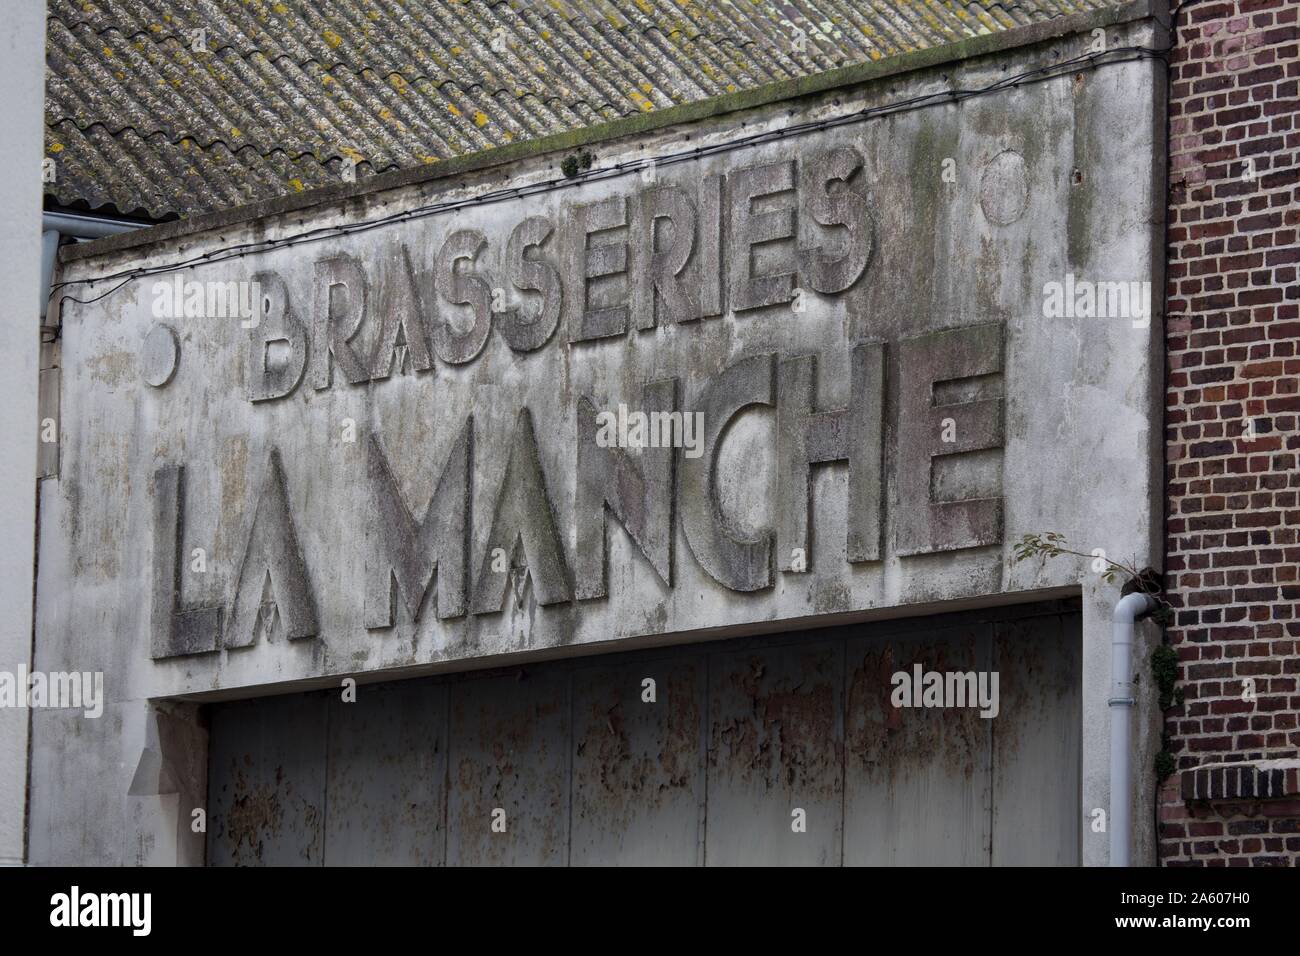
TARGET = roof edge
(570,140)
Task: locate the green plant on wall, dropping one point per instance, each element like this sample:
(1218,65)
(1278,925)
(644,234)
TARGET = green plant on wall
(1165,763)
(1164,667)
(1147,580)
(576,163)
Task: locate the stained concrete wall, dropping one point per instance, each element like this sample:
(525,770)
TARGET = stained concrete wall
(1053,177)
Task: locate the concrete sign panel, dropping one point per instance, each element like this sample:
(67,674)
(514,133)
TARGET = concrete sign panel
(446,437)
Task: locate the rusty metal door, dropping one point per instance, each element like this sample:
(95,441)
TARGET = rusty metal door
(775,750)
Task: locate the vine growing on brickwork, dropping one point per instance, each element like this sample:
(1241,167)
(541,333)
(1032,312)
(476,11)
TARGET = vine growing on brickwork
(1164,667)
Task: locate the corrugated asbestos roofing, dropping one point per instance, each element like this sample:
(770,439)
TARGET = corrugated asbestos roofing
(162,108)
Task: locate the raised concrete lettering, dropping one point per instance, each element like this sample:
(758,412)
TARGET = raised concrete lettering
(175,630)
(806,438)
(273,593)
(737,561)
(522,519)
(404,553)
(926,525)
(338,309)
(639,494)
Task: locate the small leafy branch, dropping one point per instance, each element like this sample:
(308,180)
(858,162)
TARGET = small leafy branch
(1145,580)
(1164,659)
(1052,545)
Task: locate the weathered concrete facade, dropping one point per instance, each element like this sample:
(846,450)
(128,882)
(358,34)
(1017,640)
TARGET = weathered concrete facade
(356,486)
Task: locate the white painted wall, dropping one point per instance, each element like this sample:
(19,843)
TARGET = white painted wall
(22,77)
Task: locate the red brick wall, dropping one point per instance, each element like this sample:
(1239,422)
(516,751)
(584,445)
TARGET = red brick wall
(1233,520)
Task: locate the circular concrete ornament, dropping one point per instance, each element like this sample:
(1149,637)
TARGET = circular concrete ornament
(159,355)
(1004,191)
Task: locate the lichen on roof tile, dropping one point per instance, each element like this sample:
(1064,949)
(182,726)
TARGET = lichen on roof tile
(178,107)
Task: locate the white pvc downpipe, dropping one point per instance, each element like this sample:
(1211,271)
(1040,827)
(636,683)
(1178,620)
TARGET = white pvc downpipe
(56,224)
(1129,609)
(49,251)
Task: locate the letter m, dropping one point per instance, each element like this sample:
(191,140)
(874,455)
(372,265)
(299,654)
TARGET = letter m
(403,554)
(116,909)
(1112,300)
(223,300)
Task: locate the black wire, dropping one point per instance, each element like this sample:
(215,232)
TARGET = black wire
(1048,71)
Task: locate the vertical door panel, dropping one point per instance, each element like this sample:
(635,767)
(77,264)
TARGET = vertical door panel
(386,775)
(638,781)
(776,746)
(1036,780)
(509,752)
(916,779)
(267,790)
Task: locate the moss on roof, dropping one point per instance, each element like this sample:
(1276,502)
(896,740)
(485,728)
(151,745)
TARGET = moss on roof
(165,108)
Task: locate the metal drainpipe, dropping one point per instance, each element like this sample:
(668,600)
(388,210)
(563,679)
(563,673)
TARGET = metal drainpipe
(49,250)
(1127,611)
(57,224)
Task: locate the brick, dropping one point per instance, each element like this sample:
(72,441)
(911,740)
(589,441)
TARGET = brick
(1232,549)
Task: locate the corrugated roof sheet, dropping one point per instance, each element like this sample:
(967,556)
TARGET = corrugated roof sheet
(144,115)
